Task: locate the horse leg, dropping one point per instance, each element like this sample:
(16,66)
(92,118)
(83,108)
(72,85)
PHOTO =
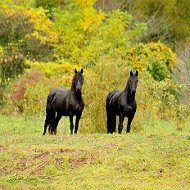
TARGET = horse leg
(108,124)
(78,116)
(111,123)
(71,124)
(120,126)
(129,124)
(51,121)
(49,129)
(47,120)
(45,125)
(55,123)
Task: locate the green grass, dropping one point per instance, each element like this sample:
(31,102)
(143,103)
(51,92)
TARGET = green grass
(156,158)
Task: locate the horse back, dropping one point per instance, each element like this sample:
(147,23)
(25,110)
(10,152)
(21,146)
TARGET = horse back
(56,98)
(64,102)
(112,99)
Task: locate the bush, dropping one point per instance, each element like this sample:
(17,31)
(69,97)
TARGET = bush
(17,94)
(156,58)
(106,44)
(50,69)
(12,64)
(29,30)
(157,70)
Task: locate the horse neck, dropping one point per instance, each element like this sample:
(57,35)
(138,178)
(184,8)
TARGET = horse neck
(78,95)
(130,97)
(73,86)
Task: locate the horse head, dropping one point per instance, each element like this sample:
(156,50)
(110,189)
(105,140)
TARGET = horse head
(78,81)
(132,82)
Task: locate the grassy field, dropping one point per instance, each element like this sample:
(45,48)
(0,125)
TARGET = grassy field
(156,158)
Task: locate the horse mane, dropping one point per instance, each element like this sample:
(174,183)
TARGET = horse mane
(73,83)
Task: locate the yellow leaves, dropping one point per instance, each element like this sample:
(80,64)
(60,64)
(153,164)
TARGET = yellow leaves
(64,72)
(91,19)
(53,69)
(141,54)
(4,9)
(43,30)
(85,3)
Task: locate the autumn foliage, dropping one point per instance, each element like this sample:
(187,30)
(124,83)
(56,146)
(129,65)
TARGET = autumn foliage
(42,43)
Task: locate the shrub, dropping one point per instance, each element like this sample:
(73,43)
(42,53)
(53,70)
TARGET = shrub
(12,64)
(156,58)
(29,30)
(50,69)
(25,33)
(35,96)
(17,95)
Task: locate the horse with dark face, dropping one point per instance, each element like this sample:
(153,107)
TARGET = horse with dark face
(122,104)
(61,102)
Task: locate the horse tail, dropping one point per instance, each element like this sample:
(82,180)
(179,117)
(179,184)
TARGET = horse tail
(49,102)
(49,107)
(50,113)
(111,117)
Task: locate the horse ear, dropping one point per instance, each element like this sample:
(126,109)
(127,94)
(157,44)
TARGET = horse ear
(81,71)
(75,71)
(137,73)
(131,73)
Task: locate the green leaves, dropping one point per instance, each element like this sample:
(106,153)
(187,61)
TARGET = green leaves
(157,70)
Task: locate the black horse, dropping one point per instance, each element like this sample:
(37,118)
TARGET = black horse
(61,102)
(122,104)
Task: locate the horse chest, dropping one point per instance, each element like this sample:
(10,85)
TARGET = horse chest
(126,109)
(75,108)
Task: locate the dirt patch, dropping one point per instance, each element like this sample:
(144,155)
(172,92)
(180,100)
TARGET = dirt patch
(38,167)
(41,154)
(2,148)
(33,164)
(62,151)
(77,162)
(82,157)
(21,166)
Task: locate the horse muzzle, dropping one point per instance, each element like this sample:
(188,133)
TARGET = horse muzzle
(133,92)
(78,90)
